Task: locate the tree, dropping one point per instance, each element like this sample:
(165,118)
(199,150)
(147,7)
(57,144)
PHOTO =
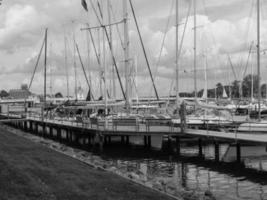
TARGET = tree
(219,90)
(235,89)
(247,84)
(4,93)
(58,95)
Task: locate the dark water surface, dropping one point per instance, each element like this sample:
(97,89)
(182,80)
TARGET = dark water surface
(225,180)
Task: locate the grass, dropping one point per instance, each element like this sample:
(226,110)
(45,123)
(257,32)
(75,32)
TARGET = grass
(31,171)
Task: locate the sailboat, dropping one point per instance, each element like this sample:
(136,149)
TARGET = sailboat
(205,116)
(258,125)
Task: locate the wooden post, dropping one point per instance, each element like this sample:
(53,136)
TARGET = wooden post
(25,126)
(200,152)
(148,141)
(238,153)
(145,141)
(178,146)
(217,151)
(31,126)
(44,131)
(51,132)
(122,140)
(89,140)
(59,134)
(36,128)
(109,139)
(127,140)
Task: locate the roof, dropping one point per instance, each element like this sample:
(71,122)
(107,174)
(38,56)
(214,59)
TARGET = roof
(19,94)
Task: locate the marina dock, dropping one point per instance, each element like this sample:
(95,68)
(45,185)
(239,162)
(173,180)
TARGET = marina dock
(91,132)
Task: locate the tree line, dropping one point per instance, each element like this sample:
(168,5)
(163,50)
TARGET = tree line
(237,89)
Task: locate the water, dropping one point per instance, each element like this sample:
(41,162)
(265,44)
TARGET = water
(190,175)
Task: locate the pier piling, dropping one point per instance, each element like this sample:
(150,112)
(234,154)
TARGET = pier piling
(217,151)
(238,153)
(178,146)
(200,150)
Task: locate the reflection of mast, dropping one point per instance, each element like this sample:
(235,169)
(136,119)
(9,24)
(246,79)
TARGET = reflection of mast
(184,174)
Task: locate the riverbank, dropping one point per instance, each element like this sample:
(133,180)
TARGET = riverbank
(30,170)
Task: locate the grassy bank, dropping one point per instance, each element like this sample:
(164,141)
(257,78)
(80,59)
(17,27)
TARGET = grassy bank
(29,170)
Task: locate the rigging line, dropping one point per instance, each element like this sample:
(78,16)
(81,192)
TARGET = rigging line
(246,39)
(117,26)
(110,48)
(114,61)
(185,27)
(249,53)
(95,11)
(94,46)
(88,54)
(100,10)
(163,41)
(88,83)
(231,64)
(37,62)
(143,47)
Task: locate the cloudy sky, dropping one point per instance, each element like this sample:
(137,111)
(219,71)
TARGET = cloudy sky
(223,28)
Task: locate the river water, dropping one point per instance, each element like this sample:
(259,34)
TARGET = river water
(188,173)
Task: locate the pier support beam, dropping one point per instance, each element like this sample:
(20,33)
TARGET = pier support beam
(109,139)
(127,140)
(36,128)
(145,141)
(25,126)
(44,130)
(217,151)
(238,153)
(31,126)
(200,150)
(178,146)
(51,132)
(59,134)
(122,140)
(148,141)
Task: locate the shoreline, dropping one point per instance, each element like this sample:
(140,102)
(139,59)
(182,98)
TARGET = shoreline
(83,157)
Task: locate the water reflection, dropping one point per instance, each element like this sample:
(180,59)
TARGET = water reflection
(187,173)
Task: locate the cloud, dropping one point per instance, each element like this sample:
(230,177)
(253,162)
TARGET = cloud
(221,31)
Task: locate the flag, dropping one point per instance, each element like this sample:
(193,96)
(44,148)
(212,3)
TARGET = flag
(84,4)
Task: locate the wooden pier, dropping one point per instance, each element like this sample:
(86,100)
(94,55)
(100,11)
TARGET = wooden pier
(91,132)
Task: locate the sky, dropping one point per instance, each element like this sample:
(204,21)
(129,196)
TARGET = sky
(225,32)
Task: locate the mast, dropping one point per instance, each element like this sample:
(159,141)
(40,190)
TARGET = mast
(66,63)
(195,51)
(75,66)
(104,62)
(45,66)
(206,81)
(177,49)
(126,53)
(51,73)
(99,56)
(252,84)
(111,49)
(258,58)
